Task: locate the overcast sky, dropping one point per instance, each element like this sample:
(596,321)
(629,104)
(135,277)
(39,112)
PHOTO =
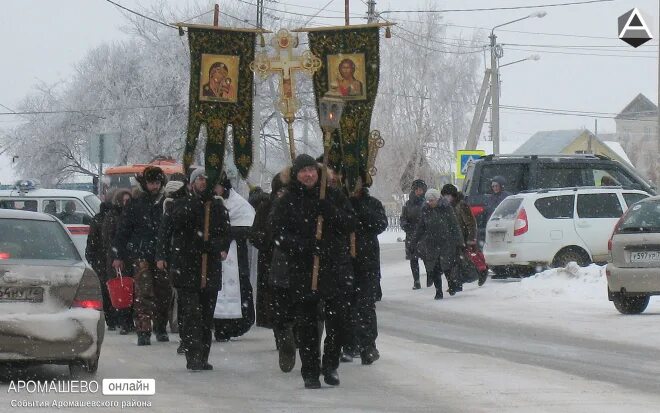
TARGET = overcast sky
(43,39)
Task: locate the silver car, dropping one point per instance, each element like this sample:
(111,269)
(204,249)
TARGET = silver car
(50,299)
(633,271)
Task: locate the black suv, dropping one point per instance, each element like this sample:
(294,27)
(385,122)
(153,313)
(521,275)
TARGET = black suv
(525,172)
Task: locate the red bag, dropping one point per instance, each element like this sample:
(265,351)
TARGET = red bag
(477,258)
(120,289)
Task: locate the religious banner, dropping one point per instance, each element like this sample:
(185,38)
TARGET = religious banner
(221,93)
(350,71)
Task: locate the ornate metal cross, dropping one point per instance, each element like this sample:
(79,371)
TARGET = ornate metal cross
(285,64)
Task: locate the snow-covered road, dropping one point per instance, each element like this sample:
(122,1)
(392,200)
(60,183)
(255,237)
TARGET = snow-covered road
(550,343)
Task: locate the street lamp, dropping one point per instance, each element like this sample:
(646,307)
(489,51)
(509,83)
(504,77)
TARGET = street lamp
(496,53)
(330,110)
(534,57)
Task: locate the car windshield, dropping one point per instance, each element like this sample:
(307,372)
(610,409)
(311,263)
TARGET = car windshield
(642,217)
(94,202)
(25,239)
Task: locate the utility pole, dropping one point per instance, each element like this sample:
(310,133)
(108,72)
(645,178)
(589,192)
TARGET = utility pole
(216,15)
(371,12)
(657,164)
(495,95)
(260,14)
(101,156)
(479,110)
(346,11)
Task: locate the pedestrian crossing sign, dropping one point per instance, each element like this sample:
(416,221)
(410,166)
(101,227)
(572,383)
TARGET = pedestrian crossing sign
(464,158)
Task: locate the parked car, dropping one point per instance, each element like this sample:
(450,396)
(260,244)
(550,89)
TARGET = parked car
(74,208)
(50,299)
(553,227)
(524,173)
(633,271)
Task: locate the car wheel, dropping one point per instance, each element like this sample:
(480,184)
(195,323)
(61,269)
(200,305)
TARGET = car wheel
(568,255)
(630,305)
(501,272)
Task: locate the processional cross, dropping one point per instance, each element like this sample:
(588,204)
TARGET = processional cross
(285,64)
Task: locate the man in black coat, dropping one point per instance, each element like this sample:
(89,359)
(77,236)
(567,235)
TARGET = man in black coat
(371,221)
(135,242)
(181,241)
(410,214)
(294,226)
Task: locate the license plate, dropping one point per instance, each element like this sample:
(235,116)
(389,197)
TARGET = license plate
(497,236)
(645,256)
(29,294)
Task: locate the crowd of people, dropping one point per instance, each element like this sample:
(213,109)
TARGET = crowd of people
(187,247)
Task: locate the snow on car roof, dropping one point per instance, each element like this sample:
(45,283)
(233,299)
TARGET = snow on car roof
(40,192)
(18,214)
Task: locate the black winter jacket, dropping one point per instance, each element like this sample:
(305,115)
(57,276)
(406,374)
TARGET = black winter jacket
(294,228)
(137,230)
(94,252)
(411,212)
(371,221)
(181,242)
(438,236)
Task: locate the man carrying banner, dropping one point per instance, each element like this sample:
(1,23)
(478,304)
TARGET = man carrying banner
(294,228)
(182,241)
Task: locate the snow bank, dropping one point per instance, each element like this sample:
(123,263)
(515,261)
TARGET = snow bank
(571,282)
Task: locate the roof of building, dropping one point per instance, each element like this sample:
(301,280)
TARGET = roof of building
(640,106)
(618,149)
(549,142)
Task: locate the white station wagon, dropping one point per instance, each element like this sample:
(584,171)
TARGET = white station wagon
(74,208)
(552,227)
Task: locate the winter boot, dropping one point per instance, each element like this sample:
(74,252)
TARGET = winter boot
(287,351)
(438,295)
(162,337)
(144,338)
(417,285)
(331,378)
(181,349)
(369,355)
(346,357)
(483,276)
(429,281)
(312,382)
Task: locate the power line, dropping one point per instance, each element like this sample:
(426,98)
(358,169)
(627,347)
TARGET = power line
(52,112)
(574,3)
(432,49)
(439,41)
(142,15)
(290,12)
(582,54)
(193,18)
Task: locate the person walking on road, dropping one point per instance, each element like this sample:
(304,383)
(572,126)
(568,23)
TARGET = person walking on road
(294,226)
(438,241)
(135,242)
(409,217)
(180,250)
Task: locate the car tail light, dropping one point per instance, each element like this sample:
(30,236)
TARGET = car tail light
(4,255)
(614,232)
(477,210)
(521,226)
(95,304)
(89,292)
(79,230)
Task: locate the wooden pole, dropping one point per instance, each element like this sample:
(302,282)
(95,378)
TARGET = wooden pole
(216,15)
(292,143)
(205,255)
(346,10)
(319,220)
